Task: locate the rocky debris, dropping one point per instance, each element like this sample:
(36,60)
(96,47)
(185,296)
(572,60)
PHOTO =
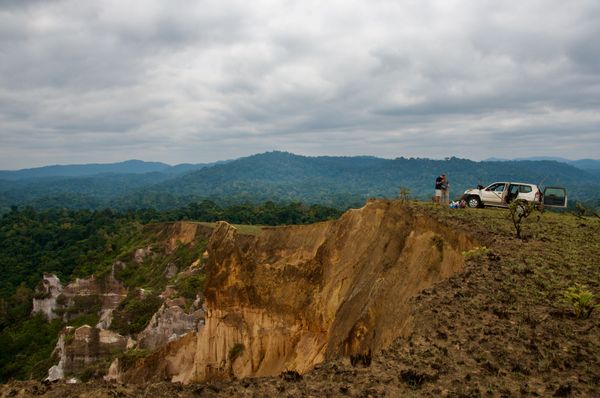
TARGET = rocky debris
(169,323)
(57,372)
(113,372)
(196,264)
(292,297)
(170,271)
(169,292)
(106,317)
(46,295)
(140,254)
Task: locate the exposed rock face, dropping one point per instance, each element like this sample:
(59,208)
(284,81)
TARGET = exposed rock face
(169,323)
(78,348)
(113,371)
(57,372)
(292,297)
(47,293)
(57,301)
(113,293)
(171,270)
(182,233)
(106,294)
(141,253)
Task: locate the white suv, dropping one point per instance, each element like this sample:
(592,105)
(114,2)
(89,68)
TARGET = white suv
(502,193)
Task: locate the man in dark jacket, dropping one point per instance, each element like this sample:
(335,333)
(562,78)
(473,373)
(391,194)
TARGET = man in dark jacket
(438,188)
(445,190)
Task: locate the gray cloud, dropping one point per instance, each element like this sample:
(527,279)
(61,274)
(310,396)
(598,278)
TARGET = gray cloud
(185,81)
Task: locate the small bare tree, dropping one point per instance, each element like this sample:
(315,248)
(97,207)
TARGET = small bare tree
(519,210)
(404,193)
(580,210)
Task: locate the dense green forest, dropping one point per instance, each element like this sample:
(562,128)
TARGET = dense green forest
(68,243)
(282,177)
(79,243)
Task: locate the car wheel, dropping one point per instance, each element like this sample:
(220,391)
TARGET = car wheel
(473,202)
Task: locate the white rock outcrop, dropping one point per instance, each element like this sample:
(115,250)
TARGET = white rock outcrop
(169,323)
(78,348)
(48,291)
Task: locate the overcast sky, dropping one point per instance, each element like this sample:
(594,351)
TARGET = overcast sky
(198,81)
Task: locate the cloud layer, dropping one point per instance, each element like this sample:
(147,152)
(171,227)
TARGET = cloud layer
(197,81)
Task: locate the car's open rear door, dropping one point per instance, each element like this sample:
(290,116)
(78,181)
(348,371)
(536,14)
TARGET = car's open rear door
(555,197)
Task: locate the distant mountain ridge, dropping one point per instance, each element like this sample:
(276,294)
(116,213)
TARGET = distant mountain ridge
(82,170)
(583,164)
(282,177)
(133,166)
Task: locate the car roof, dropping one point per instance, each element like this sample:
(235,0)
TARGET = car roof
(512,182)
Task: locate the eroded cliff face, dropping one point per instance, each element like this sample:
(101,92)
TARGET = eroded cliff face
(78,348)
(81,347)
(168,324)
(292,297)
(46,295)
(79,296)
(90,347)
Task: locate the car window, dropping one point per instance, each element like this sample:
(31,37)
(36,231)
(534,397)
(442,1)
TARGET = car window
(555,196)
(497,188)
(555,193)
(524,188)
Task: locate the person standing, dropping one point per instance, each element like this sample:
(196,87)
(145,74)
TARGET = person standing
(445,187)
(438,189)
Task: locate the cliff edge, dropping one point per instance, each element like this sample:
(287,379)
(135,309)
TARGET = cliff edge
(291,297)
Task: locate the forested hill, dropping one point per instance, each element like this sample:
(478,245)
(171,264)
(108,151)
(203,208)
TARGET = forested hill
(329,179)
(283,177)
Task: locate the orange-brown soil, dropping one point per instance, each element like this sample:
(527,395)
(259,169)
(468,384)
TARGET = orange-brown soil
(291,297)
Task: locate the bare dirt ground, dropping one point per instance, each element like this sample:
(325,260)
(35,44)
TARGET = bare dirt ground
(500,328)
